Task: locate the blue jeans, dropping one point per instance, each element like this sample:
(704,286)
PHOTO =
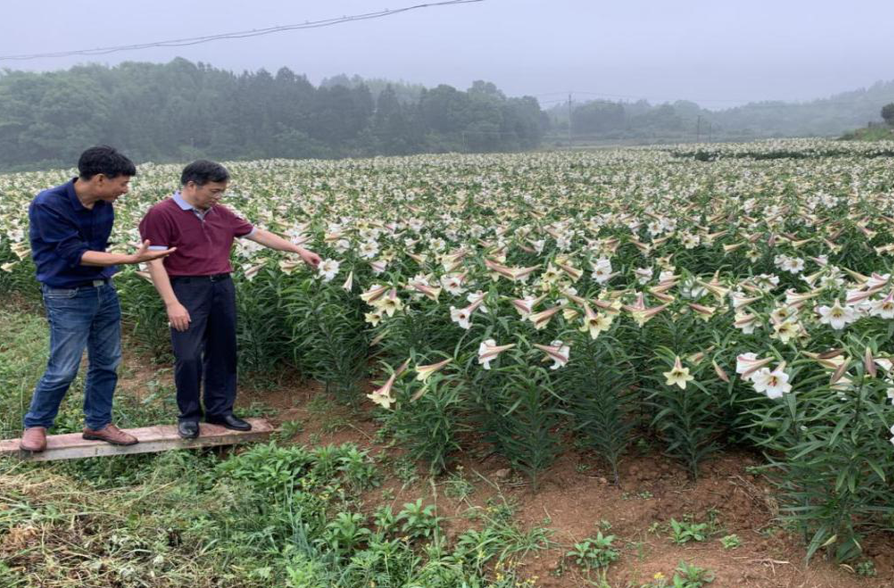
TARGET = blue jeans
(80,318)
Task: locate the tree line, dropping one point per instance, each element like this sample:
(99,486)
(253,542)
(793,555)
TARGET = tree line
(683,120)
(182,110)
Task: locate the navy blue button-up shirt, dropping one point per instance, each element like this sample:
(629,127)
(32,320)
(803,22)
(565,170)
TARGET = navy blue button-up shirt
(62,229)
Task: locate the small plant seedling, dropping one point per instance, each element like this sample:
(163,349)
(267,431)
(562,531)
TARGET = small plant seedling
(730,541)
(866,569)
(692,576)
(684,532)
(458,487)
(594,552)
(290,429)
(419,521)
(405,470)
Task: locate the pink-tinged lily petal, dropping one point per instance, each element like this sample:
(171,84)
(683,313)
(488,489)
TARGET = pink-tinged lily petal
(662,287)
(858,277)
(498,268)
(402,368)
(792,298)
(489,350)
(705,311)
(382,396)
(423,372)
(574,298)
(838,373)
(641,313)
(869,293)
(524,307)
(288,265)
(869,363)
(521,273)
(696,358)
(610,307)
(638,306)
(373,294)
(747,364)
(558,352)
(572,272)
(740,301)
(643,247)
(720,372)
(429,291)
(744,320)
(542,318)
(715,288)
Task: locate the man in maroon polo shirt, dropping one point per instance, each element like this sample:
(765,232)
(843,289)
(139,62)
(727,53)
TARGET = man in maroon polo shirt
(195,284)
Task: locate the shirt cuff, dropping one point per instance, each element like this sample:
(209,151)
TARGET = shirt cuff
(251,234)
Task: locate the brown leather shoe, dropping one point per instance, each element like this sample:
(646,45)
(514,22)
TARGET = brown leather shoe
(110,434)
(34,439)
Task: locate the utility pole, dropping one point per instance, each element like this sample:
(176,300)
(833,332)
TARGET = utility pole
(698,130)
(570,139)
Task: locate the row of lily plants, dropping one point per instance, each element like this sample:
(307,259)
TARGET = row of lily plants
(532,302)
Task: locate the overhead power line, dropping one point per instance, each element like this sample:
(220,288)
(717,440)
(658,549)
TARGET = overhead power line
(235,35)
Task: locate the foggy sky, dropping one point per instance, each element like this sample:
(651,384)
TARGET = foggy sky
(716,53)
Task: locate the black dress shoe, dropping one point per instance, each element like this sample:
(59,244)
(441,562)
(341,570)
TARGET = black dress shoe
(229,422)
(188,429)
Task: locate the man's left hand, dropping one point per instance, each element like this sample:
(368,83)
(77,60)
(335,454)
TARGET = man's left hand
(310,258)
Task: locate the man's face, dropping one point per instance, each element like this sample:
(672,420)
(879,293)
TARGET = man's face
(109,189)
(207,195)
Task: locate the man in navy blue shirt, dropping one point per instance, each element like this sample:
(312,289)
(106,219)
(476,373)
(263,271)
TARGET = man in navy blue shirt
(70,229)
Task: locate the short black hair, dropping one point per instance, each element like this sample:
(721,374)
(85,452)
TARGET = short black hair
(104,160)
(203,171)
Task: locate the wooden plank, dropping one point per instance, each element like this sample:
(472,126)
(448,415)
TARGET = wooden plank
(152,440)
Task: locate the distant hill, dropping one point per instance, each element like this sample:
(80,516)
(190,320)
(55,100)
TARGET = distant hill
(686,121)
(824,117)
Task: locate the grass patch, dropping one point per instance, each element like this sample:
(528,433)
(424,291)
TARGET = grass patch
(271,515)
(23,357)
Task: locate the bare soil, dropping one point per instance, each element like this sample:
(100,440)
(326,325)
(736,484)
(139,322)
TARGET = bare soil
(576,499)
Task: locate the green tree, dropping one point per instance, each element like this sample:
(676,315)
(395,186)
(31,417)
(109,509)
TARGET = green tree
(888,113)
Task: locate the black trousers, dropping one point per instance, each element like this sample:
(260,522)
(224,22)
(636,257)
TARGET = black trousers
(207,349)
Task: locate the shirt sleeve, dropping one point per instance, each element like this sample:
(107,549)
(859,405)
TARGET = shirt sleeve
(59,232)
(155,228)
(240,226)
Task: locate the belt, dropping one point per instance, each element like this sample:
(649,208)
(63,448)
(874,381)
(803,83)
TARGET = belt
(92,284)
(211,278)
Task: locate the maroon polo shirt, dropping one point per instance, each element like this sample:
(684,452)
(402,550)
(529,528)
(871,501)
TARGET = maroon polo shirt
(203,240)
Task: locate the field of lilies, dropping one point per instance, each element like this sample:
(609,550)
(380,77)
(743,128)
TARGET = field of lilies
(698,297)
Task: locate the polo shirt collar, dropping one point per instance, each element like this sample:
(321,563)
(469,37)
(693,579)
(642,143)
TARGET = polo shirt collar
(181,202)
(184,205)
